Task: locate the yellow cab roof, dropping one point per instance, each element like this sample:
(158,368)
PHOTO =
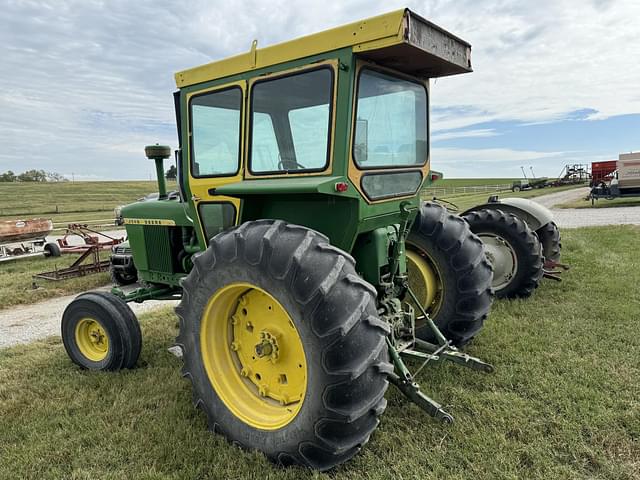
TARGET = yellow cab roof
(400,38)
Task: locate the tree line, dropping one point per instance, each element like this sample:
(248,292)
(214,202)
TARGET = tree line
(32,176)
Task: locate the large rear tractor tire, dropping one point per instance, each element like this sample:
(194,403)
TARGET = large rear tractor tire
(513,250)
(100,332)
(549,237)
(449,273)
(283,345)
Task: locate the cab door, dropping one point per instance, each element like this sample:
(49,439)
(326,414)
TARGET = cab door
(215,154)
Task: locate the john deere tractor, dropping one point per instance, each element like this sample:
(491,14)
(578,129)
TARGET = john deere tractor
(307,267)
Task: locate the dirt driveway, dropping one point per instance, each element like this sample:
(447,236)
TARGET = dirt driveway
(25,323)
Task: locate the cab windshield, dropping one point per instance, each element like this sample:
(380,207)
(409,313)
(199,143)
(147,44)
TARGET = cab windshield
(391,122)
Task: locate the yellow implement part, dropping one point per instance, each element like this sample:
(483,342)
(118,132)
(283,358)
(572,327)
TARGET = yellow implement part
(92,339)
(253,356)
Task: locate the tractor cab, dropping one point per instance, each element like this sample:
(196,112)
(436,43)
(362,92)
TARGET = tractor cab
(329,131)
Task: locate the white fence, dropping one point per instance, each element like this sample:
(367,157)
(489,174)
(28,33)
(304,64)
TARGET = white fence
(449,191)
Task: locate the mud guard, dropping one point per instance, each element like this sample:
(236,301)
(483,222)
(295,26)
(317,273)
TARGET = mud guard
(534,214)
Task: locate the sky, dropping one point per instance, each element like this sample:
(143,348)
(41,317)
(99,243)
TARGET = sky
(84,84)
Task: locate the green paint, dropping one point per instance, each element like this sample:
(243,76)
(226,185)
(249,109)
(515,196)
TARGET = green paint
(346,218)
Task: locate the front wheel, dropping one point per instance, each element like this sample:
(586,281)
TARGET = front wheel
(283,345)
(100,332)
(513,249)
(122,278)
(549,236)
(52,249)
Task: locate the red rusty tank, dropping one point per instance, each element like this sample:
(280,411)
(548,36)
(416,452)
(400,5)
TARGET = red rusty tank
(22,230)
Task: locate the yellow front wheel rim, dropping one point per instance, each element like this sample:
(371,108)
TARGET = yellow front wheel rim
(253,356)
(424,282)
(92,339)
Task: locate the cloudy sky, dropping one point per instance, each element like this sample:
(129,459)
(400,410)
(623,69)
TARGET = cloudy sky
(84,84)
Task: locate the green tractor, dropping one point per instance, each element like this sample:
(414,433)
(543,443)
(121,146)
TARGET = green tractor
(307,267)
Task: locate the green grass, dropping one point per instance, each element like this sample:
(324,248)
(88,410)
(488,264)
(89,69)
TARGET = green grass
(562,404)
(69,202)
(471,182)
(16,282)
(601,203)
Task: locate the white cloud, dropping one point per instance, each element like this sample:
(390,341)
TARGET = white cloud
(482,132)
(86,84)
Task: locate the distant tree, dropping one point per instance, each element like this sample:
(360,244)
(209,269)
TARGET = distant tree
(172,173)
(33,176)
(8,176)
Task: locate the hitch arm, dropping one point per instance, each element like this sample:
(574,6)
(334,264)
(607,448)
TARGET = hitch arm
(411,389)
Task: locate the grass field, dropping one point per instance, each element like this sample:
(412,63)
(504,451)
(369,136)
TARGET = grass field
(70,201)
(16,282)
(562,404)
(471,182)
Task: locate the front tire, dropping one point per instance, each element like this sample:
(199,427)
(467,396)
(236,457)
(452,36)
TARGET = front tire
(101,332)
(121,278)
(454,261)
(268,286)
(514,251)
(52,249)
(549,236)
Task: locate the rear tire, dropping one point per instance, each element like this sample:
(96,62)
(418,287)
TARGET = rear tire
(511,238)
(549,236)
(464,274)
(101,332)
(333,314)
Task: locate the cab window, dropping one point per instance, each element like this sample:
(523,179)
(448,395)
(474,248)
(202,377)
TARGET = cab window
(391,121)
(215,133)
(290,123)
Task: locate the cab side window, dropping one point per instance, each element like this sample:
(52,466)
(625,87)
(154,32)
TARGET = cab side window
(215,133)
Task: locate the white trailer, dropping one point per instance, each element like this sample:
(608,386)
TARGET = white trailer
(625,181)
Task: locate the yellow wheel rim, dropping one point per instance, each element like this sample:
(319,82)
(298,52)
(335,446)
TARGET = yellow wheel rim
(92,339)
(253,356)
(424,282)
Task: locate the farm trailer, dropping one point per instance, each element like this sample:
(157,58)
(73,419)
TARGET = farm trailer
(617,179)
(26,238)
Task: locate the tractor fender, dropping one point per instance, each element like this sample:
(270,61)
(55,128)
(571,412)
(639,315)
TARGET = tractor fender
(533,214)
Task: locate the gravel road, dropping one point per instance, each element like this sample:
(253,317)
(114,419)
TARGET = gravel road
(23,324)
(586,217)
